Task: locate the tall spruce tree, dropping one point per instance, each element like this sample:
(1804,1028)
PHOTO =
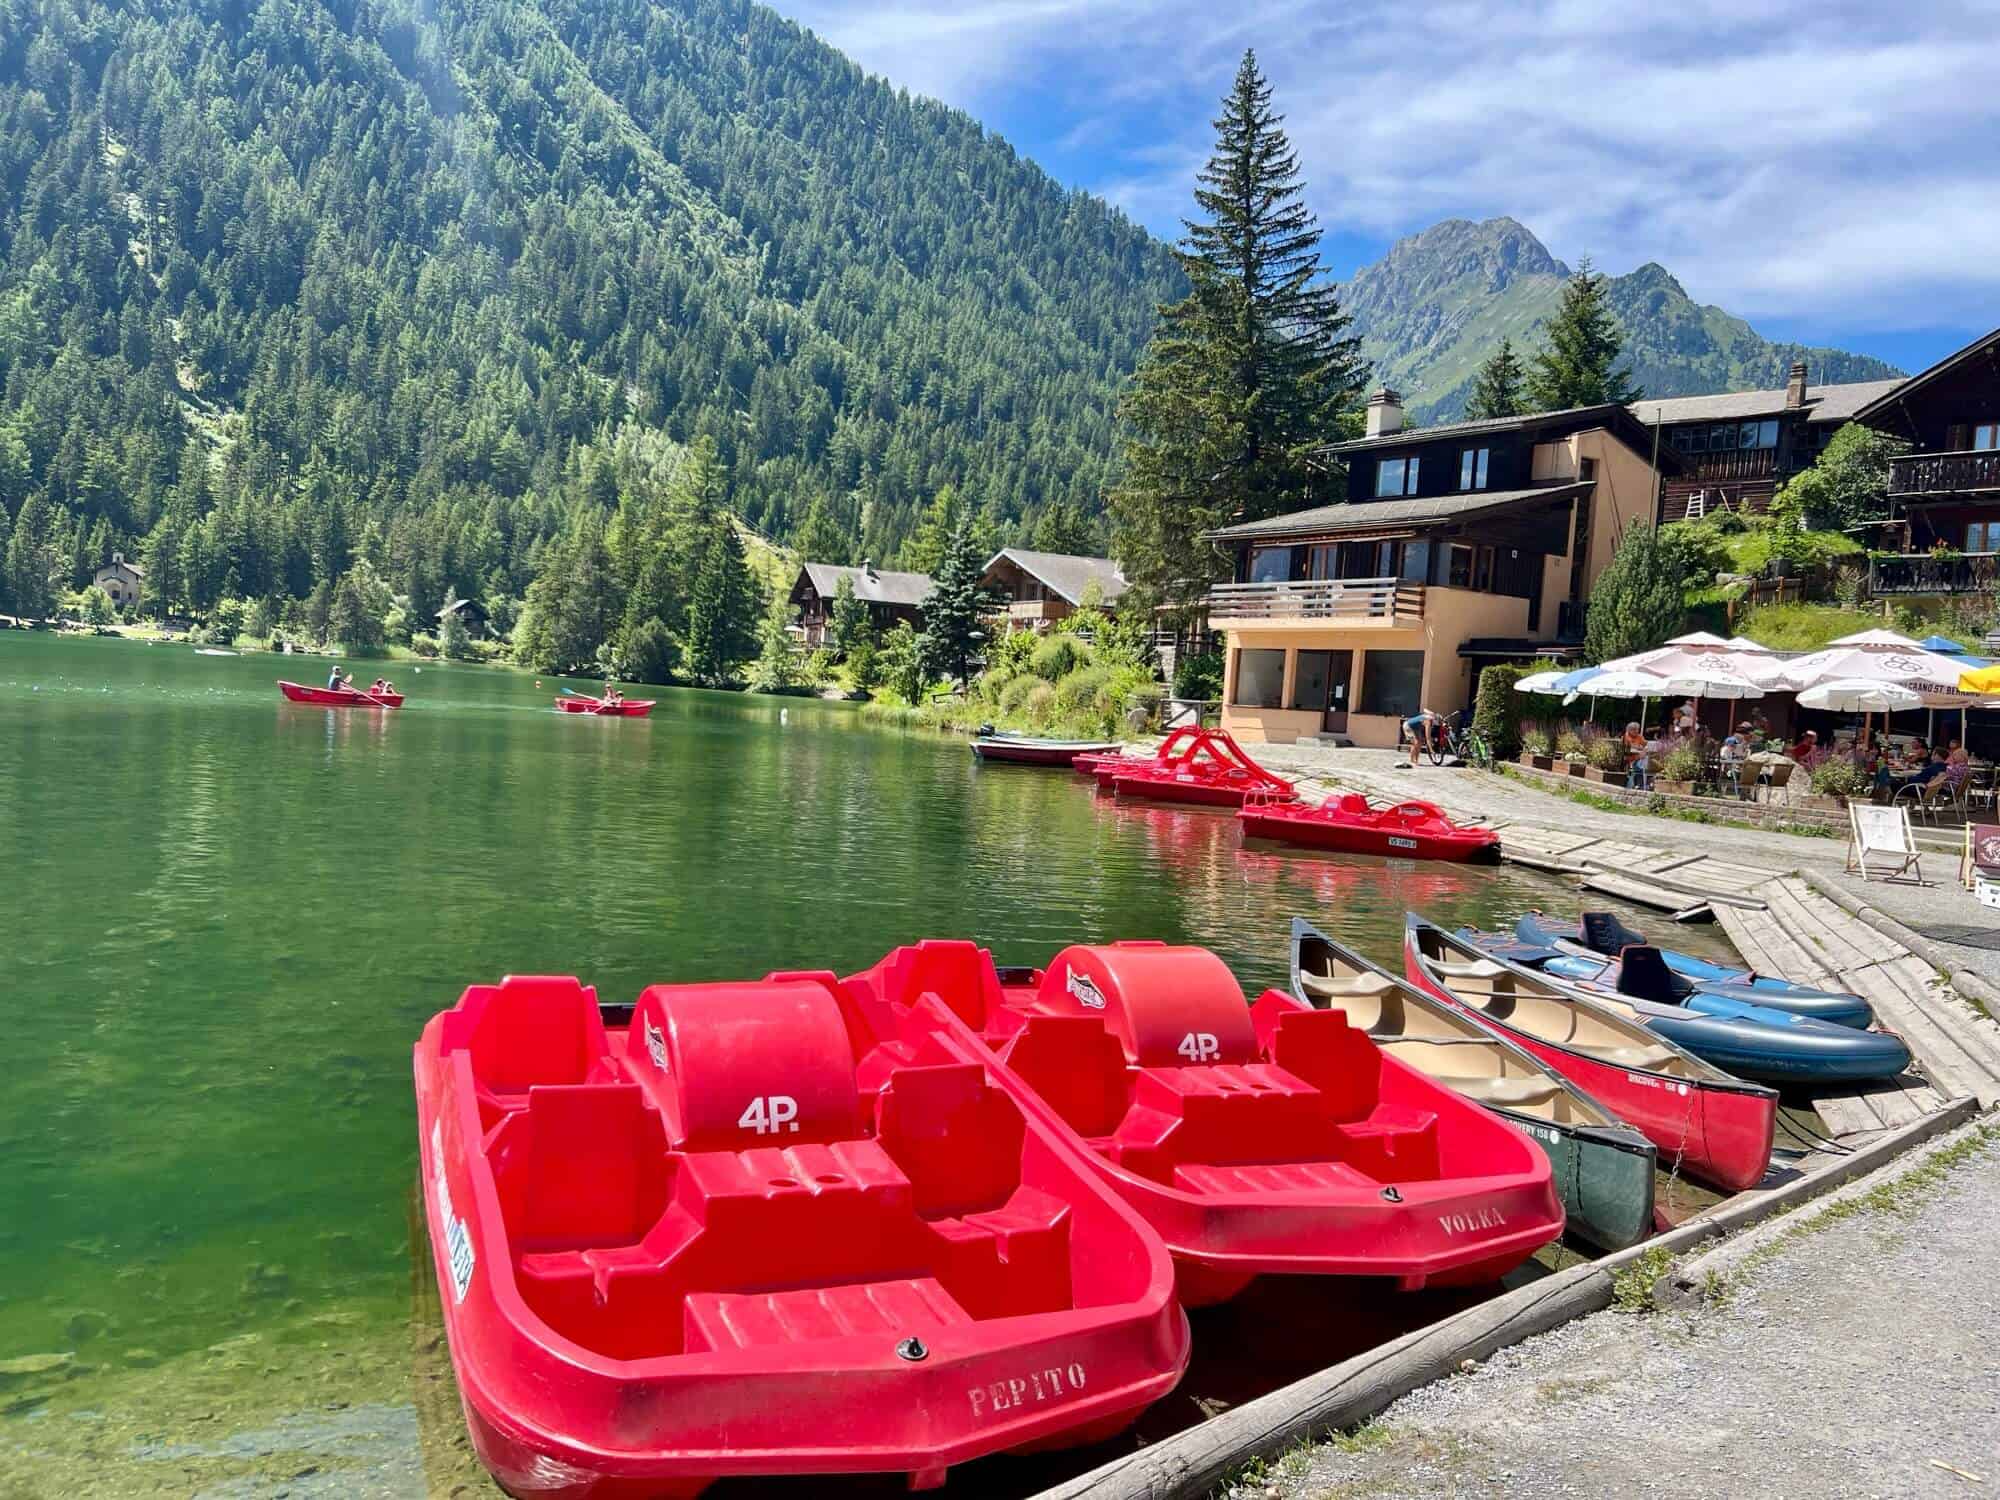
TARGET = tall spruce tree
(952,610)
(1244,374)
(1578,362)
(1499,390)
(722,610)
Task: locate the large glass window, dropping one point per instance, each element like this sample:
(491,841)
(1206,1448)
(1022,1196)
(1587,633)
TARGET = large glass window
(1982,536)
(1260,679)
(1392,682)
(1458,566)
(1986,435)
(1396,476)
(1271,565)
(1472,469)
(1416,562)
(1309,681)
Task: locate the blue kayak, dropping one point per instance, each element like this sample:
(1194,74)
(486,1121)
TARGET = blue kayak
(1600,934)
(1752,1041)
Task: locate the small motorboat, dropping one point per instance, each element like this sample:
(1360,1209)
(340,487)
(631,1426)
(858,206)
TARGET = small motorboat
(1212,771)
(338,697)
(1538,941)
(1408,830)
(1025,750)
(1603,1167)
(624,708)
(1705,1122)
(1255,1140)
(1744,1038)
(732,1230)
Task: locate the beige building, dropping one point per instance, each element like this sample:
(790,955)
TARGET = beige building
(1457,546)
(123,581)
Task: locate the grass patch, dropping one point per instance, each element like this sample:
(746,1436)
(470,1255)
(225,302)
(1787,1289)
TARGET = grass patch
(1632,1287)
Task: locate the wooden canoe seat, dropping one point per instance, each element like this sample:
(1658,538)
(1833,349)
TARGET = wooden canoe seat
(1507,1093)
(1324,987)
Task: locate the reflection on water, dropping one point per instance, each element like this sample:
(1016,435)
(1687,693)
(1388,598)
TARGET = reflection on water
(231,915)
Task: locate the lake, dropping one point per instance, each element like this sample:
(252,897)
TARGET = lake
(227,918)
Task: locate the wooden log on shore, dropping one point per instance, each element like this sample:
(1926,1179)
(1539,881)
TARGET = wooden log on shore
(1191,1463)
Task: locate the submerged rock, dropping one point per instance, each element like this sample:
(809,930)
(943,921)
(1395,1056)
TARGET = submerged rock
(26,1366)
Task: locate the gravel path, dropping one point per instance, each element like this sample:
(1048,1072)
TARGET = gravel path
(1852,1363)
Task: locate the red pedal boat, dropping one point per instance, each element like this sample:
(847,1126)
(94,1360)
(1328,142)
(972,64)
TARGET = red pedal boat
(734,1230)
(1409,830)
(1211,771)
(1106,764)
(1021,750)
(1705,1122)
(624,708)
(338,697)
(1273,1138)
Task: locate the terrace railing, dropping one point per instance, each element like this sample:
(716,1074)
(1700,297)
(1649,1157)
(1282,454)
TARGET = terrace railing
(1929,573)
(1945,473)
(1358,601)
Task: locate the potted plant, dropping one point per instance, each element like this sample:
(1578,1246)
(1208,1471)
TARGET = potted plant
(1676,772)
(1605,755)
(1569,747)
(1535,747)
(1836,782)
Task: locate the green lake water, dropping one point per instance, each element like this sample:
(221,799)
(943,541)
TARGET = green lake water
(226,918)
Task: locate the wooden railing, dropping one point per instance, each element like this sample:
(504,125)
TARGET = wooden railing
(1928,573)
(1343,600)
(1945,473)
(1743,463)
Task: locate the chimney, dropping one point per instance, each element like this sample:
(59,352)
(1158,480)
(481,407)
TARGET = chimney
(1795,388)
(1385,413)
(867,568)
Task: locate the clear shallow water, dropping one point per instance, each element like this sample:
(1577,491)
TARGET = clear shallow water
(226,917)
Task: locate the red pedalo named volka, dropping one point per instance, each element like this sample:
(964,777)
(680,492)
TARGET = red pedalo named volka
(1254,1139)
(750,1233)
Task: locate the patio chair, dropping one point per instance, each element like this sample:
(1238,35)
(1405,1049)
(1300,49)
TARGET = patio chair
(1775,777)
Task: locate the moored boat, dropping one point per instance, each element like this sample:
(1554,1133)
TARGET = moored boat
(1603,1168)
(1211,771)
(1265,1139)
(624,708)
(736,1232)
(1105,765)
(1705,1122)
(338,697)
(1026,750)
(1540,938)
(1408,830)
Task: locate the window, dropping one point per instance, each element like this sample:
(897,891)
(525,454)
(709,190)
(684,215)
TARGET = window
(1392,682)
(1416,562)
(1767,434)
(1458,566)
(1396,476)
(1983,536)
(1986,435)
(1260,679)
(1309,681)
(1271,565)
(1472,469)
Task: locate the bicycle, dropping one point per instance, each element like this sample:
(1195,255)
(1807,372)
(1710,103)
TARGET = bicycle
(1453,740)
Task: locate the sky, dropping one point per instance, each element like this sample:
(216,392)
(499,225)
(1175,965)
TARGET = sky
(1828,170)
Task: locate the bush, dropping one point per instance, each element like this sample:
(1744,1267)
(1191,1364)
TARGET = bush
(1682,763)
(487,651)
(1142,707)
(424,645)
(1494,709)
(1014,697)
(1057,656)
(1569,745)
(1078,693)
(1039,701)
(1013,651)
(1606,752)
(646,653)
(1840,777)
(993,682)
(1199,676)
(1533,737)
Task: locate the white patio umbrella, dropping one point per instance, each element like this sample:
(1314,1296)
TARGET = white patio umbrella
(1880,656)
(1713,674)
(1538,682)
(1857,695)
(1608,684)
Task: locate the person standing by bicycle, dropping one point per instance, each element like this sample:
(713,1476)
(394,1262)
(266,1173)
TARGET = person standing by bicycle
(1423,729)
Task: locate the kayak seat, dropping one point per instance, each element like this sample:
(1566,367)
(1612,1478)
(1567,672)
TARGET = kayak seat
(1077,1067)
(1643,974)
(1506,1093)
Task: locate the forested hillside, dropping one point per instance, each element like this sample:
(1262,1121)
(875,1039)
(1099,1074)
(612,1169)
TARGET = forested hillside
(289,284)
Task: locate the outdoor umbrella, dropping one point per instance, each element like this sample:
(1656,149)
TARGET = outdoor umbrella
(1878,656)
(1857,695)
(1640,685)
(1980,680)
(1539,682)
(1717,674)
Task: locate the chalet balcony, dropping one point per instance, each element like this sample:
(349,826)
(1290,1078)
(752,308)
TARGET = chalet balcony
(1923,474)
(1927,573)
(1382,602)
(1742,464)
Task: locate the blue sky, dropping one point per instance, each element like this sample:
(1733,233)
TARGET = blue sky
(1830,171)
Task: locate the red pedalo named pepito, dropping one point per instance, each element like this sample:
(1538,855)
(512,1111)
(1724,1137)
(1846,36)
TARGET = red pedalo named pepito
(1254,1139)
(755,1231)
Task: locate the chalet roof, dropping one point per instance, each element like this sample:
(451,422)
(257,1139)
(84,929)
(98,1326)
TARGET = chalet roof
(458,605)
(119,561)
(1375,515)
(1609,414)
(871,584)
(1824,403)
(1879,405)
(1065,572)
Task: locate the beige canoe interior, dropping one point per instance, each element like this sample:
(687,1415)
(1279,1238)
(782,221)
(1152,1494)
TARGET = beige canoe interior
(1416,1030)
(1599,1028)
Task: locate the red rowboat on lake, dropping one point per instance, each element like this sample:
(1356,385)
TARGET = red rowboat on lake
(1020,750)
(738,1230)
(1705,1122)
(1210,769)
(624,708)
(1408,830)
(338,697)
(1255,1140)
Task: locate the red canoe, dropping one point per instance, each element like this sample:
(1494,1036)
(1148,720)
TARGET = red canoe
(1409,830)
(1211,771)
(338,697)
(1706,1123)
(733,1231)
(1254,1140)
(624,708)
(1020,750)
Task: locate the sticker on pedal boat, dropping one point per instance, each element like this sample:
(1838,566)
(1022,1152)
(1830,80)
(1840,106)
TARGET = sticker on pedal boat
(656,1046)
(1030,1389)
(1086,991)
(1396,843)
(457,1242)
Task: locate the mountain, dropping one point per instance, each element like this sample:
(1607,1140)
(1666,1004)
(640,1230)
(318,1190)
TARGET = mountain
(388,278)
(1436,306)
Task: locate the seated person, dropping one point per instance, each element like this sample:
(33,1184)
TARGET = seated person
(1932,768)
(333,683)
(1734,754)
(1806,751)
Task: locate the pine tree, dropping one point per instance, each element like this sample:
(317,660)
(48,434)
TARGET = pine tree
(6,572)
(351,620)
(1498,390)
(1578,362)
(31,562)
(1639,600)
(778,655)
(1063,527)
(850,625)
(1245,374)
(454,640)
(952,611)
(722,610)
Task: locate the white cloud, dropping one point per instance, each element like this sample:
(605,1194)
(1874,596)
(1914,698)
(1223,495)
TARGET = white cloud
(1832,162)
